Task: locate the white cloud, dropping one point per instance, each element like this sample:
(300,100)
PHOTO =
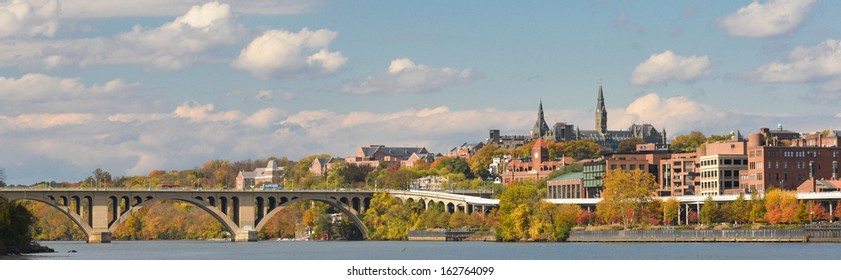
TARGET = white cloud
(157,8)
(35,86)
(264,117)
(201,113)
(662,67)
(805,64)
(44,121)
(404,76)
(674,113)
(268,95)
(285,54)
(173,45)
(20,19)
(759,20)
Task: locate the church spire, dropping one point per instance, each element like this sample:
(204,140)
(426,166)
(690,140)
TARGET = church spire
(601,112)
(540,127)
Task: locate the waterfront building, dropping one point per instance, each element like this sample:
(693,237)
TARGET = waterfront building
(569,185)
(785,167)
(593,177)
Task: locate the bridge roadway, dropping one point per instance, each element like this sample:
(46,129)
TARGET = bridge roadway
(98,212)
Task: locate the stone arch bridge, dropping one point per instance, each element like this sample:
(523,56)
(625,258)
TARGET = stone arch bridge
(243,213)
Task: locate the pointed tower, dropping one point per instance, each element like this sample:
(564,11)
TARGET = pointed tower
(601,113)
(539,154)
(540,127)
(665,139)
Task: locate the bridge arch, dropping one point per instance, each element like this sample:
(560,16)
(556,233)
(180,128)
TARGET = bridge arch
(64,209)
(226,221)
(347,210)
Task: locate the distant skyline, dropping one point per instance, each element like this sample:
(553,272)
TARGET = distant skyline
(133,86)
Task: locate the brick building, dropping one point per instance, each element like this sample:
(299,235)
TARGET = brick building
(537,166)
(786,166)
(569,185)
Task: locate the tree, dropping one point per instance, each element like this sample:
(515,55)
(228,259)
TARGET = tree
(709,211)
(670,210)
(740,210)
(757,208)
(454,165)
(556,149)
(818,213)
(2,178)
(782,207)
(583,149)
(629,145)
(625,192)
(516,204)
(15,227)
(688,143)
(479,162)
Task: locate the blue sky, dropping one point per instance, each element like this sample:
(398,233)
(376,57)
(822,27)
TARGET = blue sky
(134,86)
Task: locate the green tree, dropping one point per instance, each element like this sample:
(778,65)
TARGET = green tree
(757,208)
(2,178)
(629,145)
(515,208)
(583,149)
(709,211)
(740,210)
(689,142)
(670,210)
(15,227)
(454,165)
(479,162)
(624,194)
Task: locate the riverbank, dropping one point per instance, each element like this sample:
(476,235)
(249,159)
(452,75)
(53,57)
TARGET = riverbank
(34,247)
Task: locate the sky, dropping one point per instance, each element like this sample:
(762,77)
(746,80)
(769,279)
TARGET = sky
(134,86)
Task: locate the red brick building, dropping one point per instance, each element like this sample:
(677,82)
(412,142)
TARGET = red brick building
(786,167)
(537,166)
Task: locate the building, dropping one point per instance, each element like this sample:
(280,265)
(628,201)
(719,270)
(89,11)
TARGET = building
(466,150)
(678,175)
(561,131)
(431,183)
(720,174)
(271,174)
(508,142)
(593,178)
(374,155)
(569,185)
(320,166)
(537,166)
(721,165)
(609,139)
(785,167)
(829,138)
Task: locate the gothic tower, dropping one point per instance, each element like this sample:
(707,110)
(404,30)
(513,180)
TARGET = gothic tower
(601,113)
(540,127)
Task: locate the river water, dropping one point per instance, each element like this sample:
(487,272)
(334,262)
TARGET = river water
(405,250)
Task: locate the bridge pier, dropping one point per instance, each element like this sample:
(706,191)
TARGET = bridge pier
(245,236)
(99,237)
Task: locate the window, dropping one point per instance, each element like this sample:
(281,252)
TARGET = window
(727,161)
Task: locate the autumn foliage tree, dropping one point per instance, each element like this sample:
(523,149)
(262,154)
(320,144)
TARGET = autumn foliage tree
(625,194)
(670,210)
(781,207)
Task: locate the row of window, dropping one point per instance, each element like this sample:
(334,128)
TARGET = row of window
(626,167)
(713,162)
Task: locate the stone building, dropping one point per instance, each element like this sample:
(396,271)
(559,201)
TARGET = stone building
(271,174)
